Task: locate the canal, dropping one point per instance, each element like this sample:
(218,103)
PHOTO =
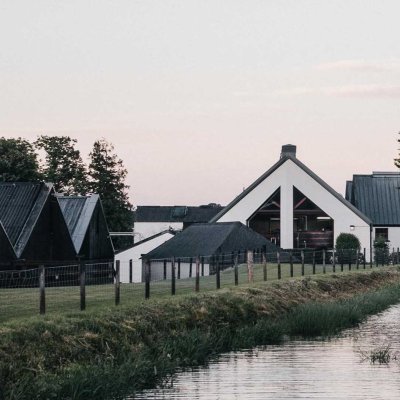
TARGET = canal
(300,369)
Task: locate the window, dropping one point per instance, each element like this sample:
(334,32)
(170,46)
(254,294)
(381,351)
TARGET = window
(382,232)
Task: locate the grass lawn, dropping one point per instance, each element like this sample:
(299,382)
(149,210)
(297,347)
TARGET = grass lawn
(17,304)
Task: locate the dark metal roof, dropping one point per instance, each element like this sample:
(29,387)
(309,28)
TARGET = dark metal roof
(284,158)
(378,196)
(209,239)
(20,206)
(176,213)
(77,212)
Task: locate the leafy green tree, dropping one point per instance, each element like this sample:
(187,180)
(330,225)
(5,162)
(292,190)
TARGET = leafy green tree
(18,161)
(107,178)
(63,164)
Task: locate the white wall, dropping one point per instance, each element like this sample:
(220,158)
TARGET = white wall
(287,176)
(144,230)
(393,236)
(157,270)
(134,253)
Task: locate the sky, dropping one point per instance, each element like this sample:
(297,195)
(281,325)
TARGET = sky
(199,96)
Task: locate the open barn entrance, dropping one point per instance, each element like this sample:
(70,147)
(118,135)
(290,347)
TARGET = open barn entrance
(312,227)
(266,220)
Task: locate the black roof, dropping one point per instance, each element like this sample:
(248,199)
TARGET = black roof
(209,239)
(187,214)
(377,196)
(285,157)
(20,206)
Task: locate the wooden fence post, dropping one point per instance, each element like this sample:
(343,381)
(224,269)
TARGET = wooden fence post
(250,269)
(190,267)
(82,268)
(264,259)
(357,259)
(202,266)
(179,268)
(130,271)
(349,260)
(217,272)
(302,263)
(147,279)
(42,285)
(365,255)
(165,269)
(173,283)
(278,259)
(323,261)
(291,264)
(334,260)
(117,282)
(313,262)
(197,274)
(236,269)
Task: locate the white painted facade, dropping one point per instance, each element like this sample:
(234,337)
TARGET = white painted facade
(157,270)
(144,230)
(287,176)
(393,236)
(135,252)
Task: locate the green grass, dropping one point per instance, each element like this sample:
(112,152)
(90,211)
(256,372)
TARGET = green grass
(17,304)
(110,353)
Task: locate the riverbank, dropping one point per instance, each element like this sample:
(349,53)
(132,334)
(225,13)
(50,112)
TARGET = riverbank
(112,353)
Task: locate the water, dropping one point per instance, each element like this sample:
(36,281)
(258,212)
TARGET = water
(299,369)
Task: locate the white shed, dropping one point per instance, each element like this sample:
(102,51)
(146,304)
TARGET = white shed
(130,262)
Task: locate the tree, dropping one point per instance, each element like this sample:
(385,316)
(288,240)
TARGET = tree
(63,164)
(397,160)
(18,161)
(107,178)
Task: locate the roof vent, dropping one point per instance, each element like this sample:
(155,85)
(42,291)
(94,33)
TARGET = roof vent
(288,150)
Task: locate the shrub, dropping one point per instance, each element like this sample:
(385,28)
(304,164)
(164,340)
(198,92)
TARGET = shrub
(347,247)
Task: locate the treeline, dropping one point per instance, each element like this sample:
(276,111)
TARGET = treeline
(63,166)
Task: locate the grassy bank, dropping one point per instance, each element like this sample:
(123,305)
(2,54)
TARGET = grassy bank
(103,355)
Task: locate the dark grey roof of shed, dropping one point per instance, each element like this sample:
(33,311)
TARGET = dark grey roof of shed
(176,213)
(210,238)
(20,206)
(307,170)
(378,197)
(77,212)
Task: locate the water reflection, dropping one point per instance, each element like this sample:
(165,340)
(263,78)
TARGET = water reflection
(300,369)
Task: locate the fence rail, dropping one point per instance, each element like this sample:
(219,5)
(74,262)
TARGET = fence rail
(76,287)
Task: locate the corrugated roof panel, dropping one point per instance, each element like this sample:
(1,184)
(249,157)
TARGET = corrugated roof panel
(378,196)
(16,203)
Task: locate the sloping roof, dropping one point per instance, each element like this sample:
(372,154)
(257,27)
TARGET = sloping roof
(20,206)
(210,238)
(378,196)
(176,213)
(77,212)
(282,160)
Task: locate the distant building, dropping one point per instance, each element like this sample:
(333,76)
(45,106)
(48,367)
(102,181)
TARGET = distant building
(130,258)
(37,227)
(151,220)
(378,196)
(293,207)
(206,241)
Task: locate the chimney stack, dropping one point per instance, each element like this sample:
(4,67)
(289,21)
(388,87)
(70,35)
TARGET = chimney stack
(288,150)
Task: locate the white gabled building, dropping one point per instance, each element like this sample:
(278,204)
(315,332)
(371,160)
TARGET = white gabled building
(130,259)
(290,205)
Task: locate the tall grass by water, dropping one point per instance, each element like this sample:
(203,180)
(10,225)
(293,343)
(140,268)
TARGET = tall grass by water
(107,355)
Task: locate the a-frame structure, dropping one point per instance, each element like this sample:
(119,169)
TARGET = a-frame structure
(292,206)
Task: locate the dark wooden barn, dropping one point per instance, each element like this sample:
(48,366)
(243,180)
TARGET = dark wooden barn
(87,225)
(33,225)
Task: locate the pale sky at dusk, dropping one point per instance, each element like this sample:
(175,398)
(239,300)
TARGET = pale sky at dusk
(199,96)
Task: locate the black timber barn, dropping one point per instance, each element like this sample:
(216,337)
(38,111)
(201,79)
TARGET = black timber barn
(36,229)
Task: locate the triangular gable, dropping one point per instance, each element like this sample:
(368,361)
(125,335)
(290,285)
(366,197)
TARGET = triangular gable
(6,250)
(274,168)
